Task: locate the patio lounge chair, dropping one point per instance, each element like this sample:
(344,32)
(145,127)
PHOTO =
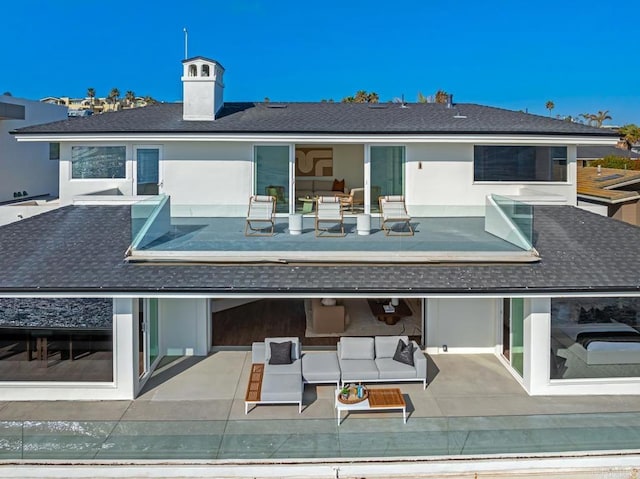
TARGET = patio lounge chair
(261,216)
(353,200)
(393,212)
(329,211)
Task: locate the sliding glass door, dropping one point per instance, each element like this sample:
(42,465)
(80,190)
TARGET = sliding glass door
(386,172)
(272,174)
(513,333)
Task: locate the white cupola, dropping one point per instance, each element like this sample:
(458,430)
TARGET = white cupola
(202,88)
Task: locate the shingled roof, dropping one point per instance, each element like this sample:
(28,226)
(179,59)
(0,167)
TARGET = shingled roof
(323,117)
(80,249)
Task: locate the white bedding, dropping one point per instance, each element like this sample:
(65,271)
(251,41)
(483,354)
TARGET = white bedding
(572,330)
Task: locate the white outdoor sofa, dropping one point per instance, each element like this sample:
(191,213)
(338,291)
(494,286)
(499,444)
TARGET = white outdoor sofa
(364,359)
(281,383)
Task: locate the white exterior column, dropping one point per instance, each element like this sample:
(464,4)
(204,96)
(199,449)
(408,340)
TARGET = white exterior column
(537,344)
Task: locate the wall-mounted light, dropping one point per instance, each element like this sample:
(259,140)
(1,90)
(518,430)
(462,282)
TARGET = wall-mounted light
(419,165)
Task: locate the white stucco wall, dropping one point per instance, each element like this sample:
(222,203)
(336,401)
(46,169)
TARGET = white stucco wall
(26,166)
(446,179)
(185,327)
(465,325)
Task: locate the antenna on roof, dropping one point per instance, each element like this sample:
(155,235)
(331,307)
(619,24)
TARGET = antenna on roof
(186,42)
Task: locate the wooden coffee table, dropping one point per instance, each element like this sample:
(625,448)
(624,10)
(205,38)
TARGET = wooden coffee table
(400,312)
(378,400)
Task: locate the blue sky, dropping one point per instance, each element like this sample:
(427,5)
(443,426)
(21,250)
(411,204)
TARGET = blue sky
(514,54)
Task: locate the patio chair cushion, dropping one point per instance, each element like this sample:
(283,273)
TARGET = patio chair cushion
(281,387)
(320,367)
(280,353)
(295,347)
(359,369)
(338,185)
(389,368)
(404,353)
(295,367)
(386,345)
(357,348)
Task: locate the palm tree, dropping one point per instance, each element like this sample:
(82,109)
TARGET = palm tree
(114,95)
(550,106)
(589,117)
(91,93)
(130,97)
(422,98)
(362,96)
(600,117)
(630,134)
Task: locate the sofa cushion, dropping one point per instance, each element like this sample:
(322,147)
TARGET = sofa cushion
(294,368)
(386,345)
(390,369)
(320,367)
(281,387)
(404,353)
(295,347)
(338,185)
(280,353)
(304,185)
(320,185)
(358,370)
(356,348)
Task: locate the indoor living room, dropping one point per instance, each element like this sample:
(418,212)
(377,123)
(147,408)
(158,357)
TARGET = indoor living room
(316,321)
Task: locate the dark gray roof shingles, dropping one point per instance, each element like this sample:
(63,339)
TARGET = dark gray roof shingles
(323,117)
(81,249)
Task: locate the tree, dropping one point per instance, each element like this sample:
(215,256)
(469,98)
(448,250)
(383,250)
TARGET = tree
(550,106)
(442,97)
(114,96)
(596,119)
(630,134)
(422,98)
(130,97)
(91,93)
(362,96)
(600,117)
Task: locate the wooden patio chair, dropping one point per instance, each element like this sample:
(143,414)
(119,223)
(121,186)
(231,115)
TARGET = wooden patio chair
(329,211)
(261,216)
(393,212)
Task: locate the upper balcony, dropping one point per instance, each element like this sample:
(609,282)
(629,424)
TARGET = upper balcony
(501,230)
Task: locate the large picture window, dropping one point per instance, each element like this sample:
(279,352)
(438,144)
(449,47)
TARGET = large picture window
(595,338)
(519,163)
(98,162)
(56,339)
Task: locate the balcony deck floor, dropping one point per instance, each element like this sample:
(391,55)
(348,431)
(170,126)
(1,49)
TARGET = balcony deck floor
(435,237)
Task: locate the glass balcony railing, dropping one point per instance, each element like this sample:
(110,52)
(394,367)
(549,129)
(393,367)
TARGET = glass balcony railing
(440,232)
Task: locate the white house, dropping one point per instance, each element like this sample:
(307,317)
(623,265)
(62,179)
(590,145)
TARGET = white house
(150,256)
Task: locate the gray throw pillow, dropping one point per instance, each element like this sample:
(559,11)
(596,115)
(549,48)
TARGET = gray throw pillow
(404,353)
(280,353)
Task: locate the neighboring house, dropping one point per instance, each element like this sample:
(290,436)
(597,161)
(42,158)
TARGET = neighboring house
(29,170)
(611,192)
(77,106)
(591,153)
(150,249)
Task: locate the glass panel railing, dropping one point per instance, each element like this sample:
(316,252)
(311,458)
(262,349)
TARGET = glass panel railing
(510,220)
(319,438)
(432,232)
(150,220)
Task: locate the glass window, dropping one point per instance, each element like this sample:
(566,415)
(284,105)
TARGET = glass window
(595,338)
(98,162)
(387,172)
(272,174)
(54,151)
(519,163)
(56,339)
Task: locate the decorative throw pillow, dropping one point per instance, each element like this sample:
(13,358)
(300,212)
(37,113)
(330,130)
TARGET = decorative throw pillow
(280,353)
(338,185)
(404,353)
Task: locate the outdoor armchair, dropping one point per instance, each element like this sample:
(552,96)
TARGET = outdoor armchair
(329,212)
(393,212)
(261,216)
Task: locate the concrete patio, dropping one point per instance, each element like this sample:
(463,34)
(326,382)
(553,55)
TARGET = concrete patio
(192,409)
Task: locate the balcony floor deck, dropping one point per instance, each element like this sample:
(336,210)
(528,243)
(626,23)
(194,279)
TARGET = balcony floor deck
(435,239)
